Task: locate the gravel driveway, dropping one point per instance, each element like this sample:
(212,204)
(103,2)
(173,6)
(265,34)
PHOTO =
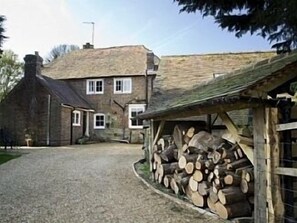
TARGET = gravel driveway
(92,183)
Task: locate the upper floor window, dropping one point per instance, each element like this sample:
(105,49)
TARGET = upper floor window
(135,110)
(99,121)
(122,85)
(95,86)
(76,118)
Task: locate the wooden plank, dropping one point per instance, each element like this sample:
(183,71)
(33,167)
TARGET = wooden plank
(286,126)
(259,165)
(232,128)
(274,196)
(159,131)
(199,110)
(151,146)
(286,171)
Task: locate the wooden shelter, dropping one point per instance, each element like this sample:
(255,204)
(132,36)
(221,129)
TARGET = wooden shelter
(258,88)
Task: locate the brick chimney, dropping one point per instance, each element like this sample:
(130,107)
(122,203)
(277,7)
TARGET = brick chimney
(150,62)
(88,46)
(33,65)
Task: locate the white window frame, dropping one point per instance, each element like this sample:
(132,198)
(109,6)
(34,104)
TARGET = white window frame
(104,121)
(123,82)
(76,118)
(94,81)
(131,108)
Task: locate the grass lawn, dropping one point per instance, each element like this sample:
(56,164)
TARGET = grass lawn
(4,157)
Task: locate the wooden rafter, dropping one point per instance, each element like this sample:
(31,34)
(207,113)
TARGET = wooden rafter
(159,131)
(249,152)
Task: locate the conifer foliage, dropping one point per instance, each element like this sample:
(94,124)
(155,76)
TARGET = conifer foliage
(274,20)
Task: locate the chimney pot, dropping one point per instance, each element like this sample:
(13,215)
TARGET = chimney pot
(88,46)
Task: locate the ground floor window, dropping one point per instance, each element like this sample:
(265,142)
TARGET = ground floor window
(99,121)
(76,118)
(134,111)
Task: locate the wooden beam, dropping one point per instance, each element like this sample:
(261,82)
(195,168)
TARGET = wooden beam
(246,140)
(274,193)
(159,131)
(232,128)
(200,110)
(259,165)
(151,137)
(286,171)
(286,126)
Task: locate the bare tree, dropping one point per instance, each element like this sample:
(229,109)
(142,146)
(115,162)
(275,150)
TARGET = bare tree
(59,51)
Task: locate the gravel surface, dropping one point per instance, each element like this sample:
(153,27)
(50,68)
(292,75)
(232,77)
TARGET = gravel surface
(92,183)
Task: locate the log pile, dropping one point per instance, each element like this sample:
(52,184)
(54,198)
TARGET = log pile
(211,172)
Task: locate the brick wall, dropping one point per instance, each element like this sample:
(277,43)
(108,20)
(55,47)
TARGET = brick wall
(107,104)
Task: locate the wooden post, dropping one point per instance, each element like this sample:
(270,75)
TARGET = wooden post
(259,165)
(151,146)
(274,196)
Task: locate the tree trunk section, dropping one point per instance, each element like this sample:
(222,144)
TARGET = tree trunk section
(184,159)
(231,195)
(239,209)
(198,200)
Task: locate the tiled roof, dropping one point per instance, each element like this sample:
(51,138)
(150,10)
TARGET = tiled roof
(185,71)
(233,84)
(113,61)
(63,91)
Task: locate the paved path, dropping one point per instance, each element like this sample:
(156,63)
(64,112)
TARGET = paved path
(93,183)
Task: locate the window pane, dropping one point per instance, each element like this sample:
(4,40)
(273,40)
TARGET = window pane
(99,86)
(126,85)
(118,85)
(134,122)
(133,114)
(91,86)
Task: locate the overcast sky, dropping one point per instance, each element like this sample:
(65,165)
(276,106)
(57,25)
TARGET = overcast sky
(39,25)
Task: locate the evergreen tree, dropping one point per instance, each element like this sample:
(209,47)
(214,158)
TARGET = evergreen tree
(2,30)
(274,20)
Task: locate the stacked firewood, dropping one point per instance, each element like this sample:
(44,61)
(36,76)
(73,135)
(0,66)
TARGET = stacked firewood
(208,170)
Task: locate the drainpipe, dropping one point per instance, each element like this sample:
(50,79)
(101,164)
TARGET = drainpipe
(87,124)
(146,89)
(71,126)
(48,120)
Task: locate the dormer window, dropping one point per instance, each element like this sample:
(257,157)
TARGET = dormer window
(95,86)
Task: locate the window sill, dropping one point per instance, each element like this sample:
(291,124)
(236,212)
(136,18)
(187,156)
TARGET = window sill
(99,127)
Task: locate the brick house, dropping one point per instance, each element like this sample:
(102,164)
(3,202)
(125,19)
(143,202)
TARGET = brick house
(93,92)
(40,108)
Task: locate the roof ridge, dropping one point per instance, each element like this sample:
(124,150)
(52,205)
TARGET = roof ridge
(223,53)
(121,46)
